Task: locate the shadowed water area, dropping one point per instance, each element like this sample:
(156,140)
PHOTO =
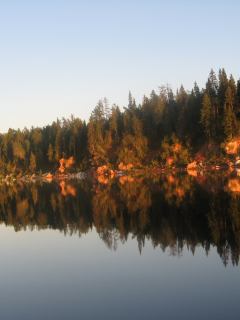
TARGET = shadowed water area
(133,247)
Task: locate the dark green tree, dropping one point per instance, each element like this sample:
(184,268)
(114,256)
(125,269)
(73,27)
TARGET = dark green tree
(206,115)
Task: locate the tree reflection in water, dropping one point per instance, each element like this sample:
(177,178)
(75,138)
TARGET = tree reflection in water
(172,210)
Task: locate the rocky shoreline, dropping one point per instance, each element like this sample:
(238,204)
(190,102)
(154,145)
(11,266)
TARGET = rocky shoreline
(103,172)
(202,162)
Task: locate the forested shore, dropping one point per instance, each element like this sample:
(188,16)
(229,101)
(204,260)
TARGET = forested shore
(164,126)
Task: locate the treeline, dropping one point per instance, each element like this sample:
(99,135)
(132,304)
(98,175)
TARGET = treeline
(111,136)
(42,148)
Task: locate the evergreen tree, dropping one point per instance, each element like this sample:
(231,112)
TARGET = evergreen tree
(57,146)
(196,89)
(206,115)
(238,90)
(32,165)
(182,104)
(18,150)
(232,85)
(114,123)
(228,123)
(107,110)
(130,100)
(98,113)
(212,84)
(50,153)
(229,98)
(91,138)
(223,85)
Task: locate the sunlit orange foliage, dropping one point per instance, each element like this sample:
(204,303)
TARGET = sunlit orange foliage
(171,179)
(169,161)
(121,166)
(123,179)
(63,186)
(180,191)
(192,173)
(67,189)
(234,185)
(70,162)
(61,169)
(71,190)
(177,147)
(102,179)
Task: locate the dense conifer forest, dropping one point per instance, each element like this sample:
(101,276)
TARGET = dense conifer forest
(112,136)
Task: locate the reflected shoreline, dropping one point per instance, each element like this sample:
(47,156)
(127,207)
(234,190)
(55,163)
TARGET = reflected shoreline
(172,210)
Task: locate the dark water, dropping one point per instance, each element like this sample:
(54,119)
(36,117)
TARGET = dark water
(152,247)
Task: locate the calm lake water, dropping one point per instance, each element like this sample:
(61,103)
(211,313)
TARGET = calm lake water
(150,247)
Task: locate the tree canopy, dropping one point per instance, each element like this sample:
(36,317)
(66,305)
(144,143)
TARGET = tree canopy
(112,136)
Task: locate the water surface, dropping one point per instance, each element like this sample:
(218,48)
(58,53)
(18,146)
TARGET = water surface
(124,248)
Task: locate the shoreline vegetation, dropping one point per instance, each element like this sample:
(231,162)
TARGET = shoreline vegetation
(104,178)
(188,131)
(102,174)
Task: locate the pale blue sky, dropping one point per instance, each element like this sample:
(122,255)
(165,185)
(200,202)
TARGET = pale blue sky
(59,58)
